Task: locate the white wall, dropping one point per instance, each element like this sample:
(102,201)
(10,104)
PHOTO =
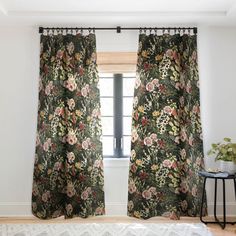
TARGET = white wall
(19,63)
(217,64)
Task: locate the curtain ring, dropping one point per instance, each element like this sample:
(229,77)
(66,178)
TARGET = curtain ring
(89,30)
(94,30)
(168,31)
(189,31)
(150,31)
(179,30)
(145,30)
(155,30)
(140,30)
(163,31)
(81,30)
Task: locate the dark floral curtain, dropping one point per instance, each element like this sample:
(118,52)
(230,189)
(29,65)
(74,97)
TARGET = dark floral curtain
(68,170)
(166,149)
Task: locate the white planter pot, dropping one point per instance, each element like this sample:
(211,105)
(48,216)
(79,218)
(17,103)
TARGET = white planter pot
(227,166)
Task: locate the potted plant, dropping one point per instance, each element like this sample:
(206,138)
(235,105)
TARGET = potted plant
(225,153)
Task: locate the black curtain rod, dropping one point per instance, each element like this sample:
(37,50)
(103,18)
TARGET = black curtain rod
(118,28)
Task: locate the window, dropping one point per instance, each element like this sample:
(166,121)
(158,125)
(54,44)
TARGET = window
(116,92)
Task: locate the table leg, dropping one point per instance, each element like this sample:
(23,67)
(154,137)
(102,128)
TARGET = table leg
(215,200)
(235,187)
(217,221)
(224,210)
(203,198)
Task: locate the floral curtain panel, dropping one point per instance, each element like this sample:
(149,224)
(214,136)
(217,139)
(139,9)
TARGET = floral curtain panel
(68,170)
(167,150)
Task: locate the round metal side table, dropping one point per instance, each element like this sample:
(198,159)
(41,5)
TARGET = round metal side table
(207,175)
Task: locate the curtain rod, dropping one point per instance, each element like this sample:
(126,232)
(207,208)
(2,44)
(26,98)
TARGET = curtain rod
(118,28)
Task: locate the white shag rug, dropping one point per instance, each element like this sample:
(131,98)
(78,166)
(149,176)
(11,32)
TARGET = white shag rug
(105,229)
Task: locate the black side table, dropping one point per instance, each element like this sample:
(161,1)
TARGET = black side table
(206,175)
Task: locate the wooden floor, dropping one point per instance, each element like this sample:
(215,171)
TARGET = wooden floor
(230,230)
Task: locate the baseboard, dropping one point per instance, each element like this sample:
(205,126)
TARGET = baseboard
(15,209)
(230,209)
(23,209)
(116,209)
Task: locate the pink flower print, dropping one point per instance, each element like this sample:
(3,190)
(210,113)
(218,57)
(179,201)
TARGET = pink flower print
(167,163)
(169,53)
(49,88)
(153,136)
(59,54)
(148,141)
(132,187)
(194,190)
(190,140)
(184,187)
(99,211)
(46,196)
(69,209)
(168,110)
(70,84)
(84,195)
(71,138)
(146,194)
(155,82)
(85,145)
(150,87)
(58,111)
(85,90)
(134,135)
(71,103)
(70,190)
(183,135)
(188,87)
(70,157)
(153,190)
(47,145)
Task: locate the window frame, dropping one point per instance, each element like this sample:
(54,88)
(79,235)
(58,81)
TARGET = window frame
(118,133)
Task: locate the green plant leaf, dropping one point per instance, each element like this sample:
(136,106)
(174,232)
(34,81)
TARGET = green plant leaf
(214,145)
(225,151)
(227,140)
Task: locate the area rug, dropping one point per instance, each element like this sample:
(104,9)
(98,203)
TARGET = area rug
(105,229)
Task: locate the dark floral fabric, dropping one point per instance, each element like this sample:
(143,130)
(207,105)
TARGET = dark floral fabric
(166,149)
(68,170)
